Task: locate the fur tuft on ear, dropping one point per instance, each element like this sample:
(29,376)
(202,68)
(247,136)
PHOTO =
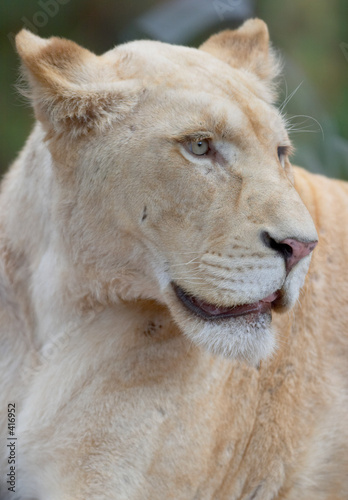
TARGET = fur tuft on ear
(70,90)
(247,48)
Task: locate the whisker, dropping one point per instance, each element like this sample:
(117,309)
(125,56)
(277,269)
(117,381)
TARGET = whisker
(288,98)
(293,127)
(304,131)
(290,125)
(190,276)
(182,253)
(185,263)
(185,272)
(311,118)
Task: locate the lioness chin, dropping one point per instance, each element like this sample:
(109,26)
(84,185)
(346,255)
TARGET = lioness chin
(155,341)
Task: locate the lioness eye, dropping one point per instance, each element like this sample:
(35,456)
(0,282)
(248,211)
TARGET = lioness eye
(282,152)
(199,147)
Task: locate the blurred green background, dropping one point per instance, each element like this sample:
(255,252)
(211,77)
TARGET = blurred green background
(312,37)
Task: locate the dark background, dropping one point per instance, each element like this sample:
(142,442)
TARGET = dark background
(312,37)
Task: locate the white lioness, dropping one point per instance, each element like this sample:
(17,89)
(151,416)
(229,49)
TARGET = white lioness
(149,228)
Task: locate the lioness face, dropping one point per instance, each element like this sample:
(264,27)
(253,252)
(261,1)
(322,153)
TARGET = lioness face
(188,196)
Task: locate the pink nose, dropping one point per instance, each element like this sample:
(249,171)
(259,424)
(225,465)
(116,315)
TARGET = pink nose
(292,249)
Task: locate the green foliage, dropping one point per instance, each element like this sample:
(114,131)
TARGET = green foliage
(312,36)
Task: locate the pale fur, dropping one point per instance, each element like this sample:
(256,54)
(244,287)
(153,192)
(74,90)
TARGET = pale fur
(121,392)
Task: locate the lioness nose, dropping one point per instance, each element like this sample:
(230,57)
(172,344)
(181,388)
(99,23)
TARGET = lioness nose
(292,249)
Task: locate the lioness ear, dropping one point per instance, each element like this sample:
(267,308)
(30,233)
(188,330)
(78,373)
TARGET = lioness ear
(71,91)
(246,48)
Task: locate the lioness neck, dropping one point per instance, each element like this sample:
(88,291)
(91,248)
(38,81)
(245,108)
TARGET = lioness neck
(25,203)
(35,270)
(47,289)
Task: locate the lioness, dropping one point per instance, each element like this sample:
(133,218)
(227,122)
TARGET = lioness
(149,228)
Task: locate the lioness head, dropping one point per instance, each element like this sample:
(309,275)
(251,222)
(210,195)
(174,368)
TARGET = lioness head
(171,179)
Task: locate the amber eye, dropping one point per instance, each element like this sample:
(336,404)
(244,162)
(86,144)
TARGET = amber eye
(199,148)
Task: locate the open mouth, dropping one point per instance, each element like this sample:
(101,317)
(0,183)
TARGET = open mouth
(212,312)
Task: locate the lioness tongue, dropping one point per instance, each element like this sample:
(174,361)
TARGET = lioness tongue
(215,310)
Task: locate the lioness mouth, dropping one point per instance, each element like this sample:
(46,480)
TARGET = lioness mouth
(209,311)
